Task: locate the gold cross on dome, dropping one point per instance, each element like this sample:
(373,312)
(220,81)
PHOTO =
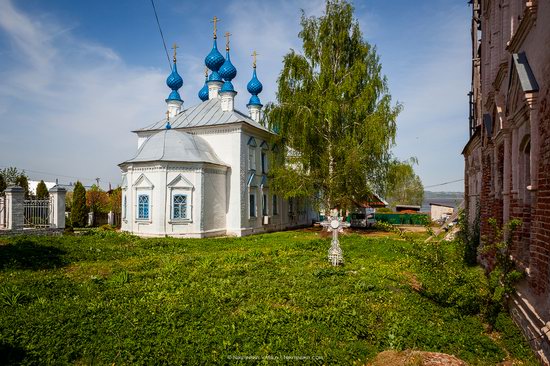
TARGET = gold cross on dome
(168,115)
(227,35)
(174,47)
(215,20)
(254,54)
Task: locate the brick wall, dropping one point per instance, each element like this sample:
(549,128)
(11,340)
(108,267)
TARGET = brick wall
(540,225)
(486,204)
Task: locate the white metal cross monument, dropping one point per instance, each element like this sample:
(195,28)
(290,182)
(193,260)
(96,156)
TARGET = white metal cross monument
(335,225)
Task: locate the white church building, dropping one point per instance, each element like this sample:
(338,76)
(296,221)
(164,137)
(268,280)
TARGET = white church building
(203,171)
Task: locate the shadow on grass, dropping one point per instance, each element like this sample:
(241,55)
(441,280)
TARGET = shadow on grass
(11,355)
(26,254)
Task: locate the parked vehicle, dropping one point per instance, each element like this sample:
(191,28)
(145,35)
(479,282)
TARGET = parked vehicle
(363,217)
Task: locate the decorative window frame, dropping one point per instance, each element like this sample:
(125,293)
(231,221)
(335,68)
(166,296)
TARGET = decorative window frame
(143,186)
(252,193)
(252,153)
(138,198)
(180,186)
(186,205)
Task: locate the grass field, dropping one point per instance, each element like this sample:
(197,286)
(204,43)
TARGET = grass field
(109,298)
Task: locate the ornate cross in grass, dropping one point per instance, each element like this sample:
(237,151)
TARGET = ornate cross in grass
(335,225)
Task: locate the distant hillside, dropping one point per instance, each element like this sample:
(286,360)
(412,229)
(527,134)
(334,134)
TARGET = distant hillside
(445,198)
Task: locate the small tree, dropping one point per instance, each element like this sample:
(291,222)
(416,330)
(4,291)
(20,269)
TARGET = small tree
(97,201)
(23,182)
(42,191)
(403,186)
(11,175)
(79,211)
(115,203)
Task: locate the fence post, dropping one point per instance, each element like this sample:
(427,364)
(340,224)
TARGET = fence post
(57,202)
(15,198)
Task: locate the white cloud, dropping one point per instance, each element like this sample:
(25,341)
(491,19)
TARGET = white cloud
(71,103)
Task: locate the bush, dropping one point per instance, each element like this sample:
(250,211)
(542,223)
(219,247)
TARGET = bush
(42,191)
(79,211)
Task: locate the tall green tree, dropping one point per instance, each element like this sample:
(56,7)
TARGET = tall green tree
(403,185)
(335,120)
(79,211)
(42,190)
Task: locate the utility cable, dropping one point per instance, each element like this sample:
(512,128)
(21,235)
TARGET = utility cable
(161,35)
(442,184)
(52,174)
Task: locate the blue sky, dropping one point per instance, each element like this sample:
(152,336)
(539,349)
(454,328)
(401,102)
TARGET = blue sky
(76,77)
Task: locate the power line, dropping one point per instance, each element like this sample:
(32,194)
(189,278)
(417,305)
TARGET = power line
(52,174)
(161,35)
(445,183)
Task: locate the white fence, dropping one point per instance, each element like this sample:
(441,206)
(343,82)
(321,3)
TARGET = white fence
(37,213)
(18,213)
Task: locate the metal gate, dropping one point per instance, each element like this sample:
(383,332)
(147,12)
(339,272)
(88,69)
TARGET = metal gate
(37,213)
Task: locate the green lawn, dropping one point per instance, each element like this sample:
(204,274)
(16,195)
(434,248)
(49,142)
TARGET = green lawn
(109,298)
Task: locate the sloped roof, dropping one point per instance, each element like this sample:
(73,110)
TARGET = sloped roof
(172,145)
(208,113)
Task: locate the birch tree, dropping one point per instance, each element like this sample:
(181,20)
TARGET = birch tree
(334,116)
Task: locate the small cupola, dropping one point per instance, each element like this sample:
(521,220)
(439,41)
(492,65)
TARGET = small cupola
(174,82)
(214,61)
(228,73)
(254,87)
(203,93)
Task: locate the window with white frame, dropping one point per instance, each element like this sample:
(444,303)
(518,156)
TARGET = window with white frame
(275,209)
(180,207)
(252,205)
(124,207)
(252,157)
(264,204)
(143,207)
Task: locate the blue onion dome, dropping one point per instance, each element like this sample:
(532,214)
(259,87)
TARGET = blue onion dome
(254,100)
(174,80)
(214,76)
(227,70)
(214,60)
(254,86)
(203,93)
(227,86)
(174,95)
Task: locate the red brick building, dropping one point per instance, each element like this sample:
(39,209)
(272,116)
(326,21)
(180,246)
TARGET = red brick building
(507,158)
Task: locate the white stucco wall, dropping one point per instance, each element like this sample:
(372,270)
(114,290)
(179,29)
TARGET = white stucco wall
(226,143)
(219,196)
(161,182)
(215,202)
